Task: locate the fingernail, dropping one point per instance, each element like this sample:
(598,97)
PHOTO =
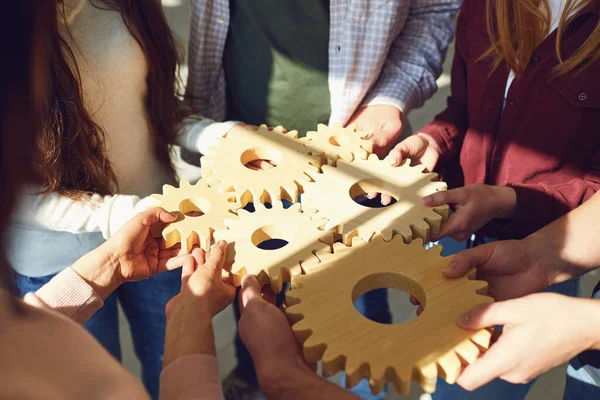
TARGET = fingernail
(394,161)
(450,267)
(222,243)
(464,319)
(428,200)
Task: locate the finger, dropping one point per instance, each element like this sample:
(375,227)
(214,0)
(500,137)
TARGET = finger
(199,255)
(463,262)
(371,195)
(420,310)
(411,147)
(496,362)
(268,295)
(250,290)
(154,216)
(454,226)
(169,264)
(454,196)
(386,199)
(487,315)
(414,300)
(188,266)
(166,254)
(216,258)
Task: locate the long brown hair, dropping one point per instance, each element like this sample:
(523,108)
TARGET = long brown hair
(517,27)
(71,150)
(24,39)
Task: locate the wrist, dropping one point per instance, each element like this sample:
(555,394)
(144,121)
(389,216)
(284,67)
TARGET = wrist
(188,333)
(590,315)
(100,269)
(277,377)
(507,202)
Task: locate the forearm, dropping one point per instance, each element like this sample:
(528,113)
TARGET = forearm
(99,269)
(570,246)
(198,134)
(298,382)
(188,336)
(593,327)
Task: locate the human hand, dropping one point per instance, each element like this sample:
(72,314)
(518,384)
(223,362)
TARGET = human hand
(256,165)
(204,293)
(420,148)
(474,206)
(129,255)
(266,332)
(512,268)
(382,122)
(540,332)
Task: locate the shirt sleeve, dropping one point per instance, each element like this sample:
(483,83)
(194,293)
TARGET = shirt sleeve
(90,213)
(192,377)
(415,59)
(449,128)
(68,294)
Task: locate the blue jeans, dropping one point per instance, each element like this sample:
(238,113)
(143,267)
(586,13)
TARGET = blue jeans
(372,305)
(144,305)
(498,389)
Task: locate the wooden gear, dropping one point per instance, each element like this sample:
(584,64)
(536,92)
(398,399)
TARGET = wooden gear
(325,322)
(211,206)
(333,191)
(226,169)
(303,234)
(338,143)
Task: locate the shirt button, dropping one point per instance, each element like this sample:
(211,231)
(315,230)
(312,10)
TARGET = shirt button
(582,96)
(497,160)
(338,49)
(536,59)
(512,103)
(220,20)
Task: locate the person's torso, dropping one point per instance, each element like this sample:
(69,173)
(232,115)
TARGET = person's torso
(547,132)
(113,71)
(276,63)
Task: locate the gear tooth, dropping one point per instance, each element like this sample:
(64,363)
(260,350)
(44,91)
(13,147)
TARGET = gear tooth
(157,197)
(373,158)
(467,351)
(168,189)
(426,375)
(339,248)
(481,339)
(171,237)
(449,367)
(184,184)
(420,230)
(355,372)
(311,135)
(242,213)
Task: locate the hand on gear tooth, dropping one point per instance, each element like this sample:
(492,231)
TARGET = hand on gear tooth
(200,211)
(226,167)
(301,233)
(324,319)
(338,143)
(333,193)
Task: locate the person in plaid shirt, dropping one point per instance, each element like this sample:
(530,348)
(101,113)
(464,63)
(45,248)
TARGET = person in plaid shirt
(303,62)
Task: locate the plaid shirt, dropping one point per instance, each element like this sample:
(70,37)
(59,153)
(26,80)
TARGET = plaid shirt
(380,52)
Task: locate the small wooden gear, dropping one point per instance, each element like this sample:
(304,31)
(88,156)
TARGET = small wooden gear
(302,233)
(333,192)
(325,322)
(226,167)
(200,211)
(338,143)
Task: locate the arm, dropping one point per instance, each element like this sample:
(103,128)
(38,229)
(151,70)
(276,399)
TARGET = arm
(281,370)
(91,213)
(415,58)
(132,254)
(190,363)
(198,134)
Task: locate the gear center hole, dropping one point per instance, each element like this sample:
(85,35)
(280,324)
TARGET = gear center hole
(338,140)
(194,207)
(252,158)
(272,237)
(374,193)
(385,298)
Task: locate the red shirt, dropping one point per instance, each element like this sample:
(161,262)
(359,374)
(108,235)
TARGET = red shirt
(546,142)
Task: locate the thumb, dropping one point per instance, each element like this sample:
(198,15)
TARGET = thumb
(410,147)
(153,216)
(464,261)
(486,315)
(250,290)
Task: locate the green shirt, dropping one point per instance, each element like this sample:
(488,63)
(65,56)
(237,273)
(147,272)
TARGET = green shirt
(276,63)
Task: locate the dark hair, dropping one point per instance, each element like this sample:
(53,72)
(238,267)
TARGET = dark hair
(71,150)
(24,39)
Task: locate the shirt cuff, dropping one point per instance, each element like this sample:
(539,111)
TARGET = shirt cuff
(199,135)
(68,294)
(194,376)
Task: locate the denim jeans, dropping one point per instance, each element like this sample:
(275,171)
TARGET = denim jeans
(144,305)
(372,305)
(498,389)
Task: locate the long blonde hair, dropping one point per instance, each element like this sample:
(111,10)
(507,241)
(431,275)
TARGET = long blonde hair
(517,27)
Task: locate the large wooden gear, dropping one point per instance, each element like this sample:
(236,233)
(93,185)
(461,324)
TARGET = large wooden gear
(200,211)
(226,167)
(325,322)
(338,143)
(304,236)
(333,191)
